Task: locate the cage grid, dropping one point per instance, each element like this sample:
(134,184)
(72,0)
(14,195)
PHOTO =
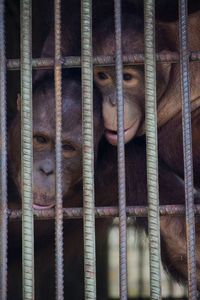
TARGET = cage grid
(89,212)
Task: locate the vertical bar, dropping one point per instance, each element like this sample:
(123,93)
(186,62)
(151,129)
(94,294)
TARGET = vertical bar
(3,159)
(152,149)
(27,151)
(187,150)
(88,150)
(58,117)
(141,268)
(121,153)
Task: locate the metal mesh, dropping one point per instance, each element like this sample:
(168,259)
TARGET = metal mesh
(89,212)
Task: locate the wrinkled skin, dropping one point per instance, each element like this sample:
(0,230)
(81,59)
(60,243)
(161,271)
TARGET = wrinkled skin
(44,190)
(168,75)
(44,141)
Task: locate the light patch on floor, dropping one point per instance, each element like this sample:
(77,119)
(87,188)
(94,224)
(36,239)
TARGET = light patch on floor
(138,266)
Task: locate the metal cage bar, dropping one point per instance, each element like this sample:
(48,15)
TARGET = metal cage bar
(102,212)
(88,212)
(121,153)
(75,61)
(58,117)
(88,150)
(27,151)
(3,159)
(187,150)
(152,150)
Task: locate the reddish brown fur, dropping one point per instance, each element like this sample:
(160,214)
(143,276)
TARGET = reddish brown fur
(169,135)
(171,191)
(168,74)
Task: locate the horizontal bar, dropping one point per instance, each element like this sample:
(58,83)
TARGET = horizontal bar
(75,61)
(102,212)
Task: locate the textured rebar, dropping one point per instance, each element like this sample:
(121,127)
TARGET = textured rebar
(88,150)
(141,268)
(3,160)
(102,212)
(75,61)
(26,152)
(121,154)
(152,150)
(187,150)
(58,117)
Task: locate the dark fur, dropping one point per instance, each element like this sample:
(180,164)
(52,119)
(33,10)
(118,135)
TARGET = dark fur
(43,103)
(171,153)
(171,191)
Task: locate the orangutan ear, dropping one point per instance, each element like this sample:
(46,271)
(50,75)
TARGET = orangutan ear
(18,102)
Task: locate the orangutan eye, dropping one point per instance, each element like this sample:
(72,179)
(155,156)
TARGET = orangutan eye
(68,147)
(40,139)
(102,75)
(127,76)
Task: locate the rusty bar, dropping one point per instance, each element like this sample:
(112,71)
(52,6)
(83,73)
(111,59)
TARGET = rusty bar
(3,159)
(121,154)
(187,150)
(88,150)
(27,152)
(152,149)
(58,117)
(102,212)
(75,61)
